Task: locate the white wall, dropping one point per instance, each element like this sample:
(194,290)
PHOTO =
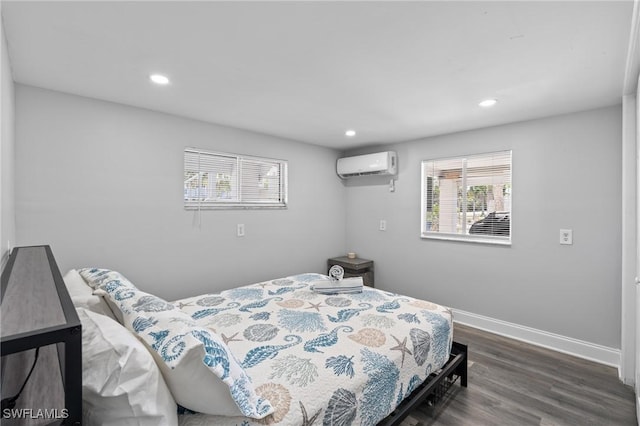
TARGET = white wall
(566,174)
(629,241)
(7,150)
(102,183)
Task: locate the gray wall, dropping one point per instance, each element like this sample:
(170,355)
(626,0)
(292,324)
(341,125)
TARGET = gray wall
(102,183)
(7,150)
(566,174)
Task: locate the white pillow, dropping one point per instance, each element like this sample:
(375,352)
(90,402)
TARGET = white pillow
(121,383)
(82,295)
(196,363)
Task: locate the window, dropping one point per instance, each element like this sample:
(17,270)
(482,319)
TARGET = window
(468,198)
(215,180)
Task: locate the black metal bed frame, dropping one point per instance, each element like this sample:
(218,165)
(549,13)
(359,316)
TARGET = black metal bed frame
(434,386)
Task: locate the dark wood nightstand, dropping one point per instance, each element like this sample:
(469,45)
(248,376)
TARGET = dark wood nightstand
(354,268)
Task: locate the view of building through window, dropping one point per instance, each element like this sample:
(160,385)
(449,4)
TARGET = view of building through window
(219,180)
(467,197)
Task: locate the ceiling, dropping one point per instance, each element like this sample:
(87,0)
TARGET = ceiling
(308,71)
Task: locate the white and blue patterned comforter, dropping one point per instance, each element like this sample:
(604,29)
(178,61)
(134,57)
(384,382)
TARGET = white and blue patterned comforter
(344,359)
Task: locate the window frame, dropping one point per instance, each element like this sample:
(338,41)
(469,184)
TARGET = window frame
(466,237)
(242,162)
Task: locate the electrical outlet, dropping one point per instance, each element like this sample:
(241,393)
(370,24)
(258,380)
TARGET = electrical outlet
(566,236)
(383,225)
(240,230)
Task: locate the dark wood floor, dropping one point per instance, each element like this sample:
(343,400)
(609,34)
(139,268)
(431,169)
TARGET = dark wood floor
(514,383)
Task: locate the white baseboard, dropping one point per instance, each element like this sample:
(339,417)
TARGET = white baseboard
(556,342)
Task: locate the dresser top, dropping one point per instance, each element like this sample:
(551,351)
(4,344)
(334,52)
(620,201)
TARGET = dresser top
(34,297)
(356,263)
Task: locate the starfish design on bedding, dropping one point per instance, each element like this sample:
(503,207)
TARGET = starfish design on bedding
(306,421)
(402,347)
(315,306)
(230,338)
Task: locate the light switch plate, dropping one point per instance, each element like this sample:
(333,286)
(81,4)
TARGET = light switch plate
(566,236)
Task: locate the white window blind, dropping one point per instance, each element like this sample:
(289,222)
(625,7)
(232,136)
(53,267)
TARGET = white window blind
(468,198)
(214,180)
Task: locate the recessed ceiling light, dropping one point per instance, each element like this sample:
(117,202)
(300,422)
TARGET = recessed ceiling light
(159,79)
(350,133)
(488,103)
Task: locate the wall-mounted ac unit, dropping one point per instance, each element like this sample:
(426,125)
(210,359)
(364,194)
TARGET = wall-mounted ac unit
(380,163)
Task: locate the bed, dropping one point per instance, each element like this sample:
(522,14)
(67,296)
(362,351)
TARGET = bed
(274,352)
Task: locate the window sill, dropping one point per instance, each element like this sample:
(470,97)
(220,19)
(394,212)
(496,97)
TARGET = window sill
(478,239)
(235,207)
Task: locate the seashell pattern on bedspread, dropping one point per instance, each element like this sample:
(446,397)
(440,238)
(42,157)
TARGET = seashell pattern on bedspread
(324,359)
